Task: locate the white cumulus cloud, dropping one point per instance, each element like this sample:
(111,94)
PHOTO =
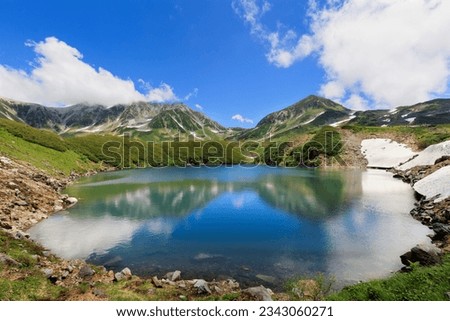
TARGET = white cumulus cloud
(375,53)
(60,77)
(242,119)
(284,48)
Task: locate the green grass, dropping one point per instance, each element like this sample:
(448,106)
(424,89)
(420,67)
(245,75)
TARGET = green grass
(52,161)
(41,137)
(31,288)
(33,285)
(421,284)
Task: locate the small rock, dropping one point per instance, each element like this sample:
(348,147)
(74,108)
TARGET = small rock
(233,284)
(183,297)
(46,253)
(176,276)
(13,185)
(69,268)
(5,225)
(99,293)
(127,273)
(441,231)
(6,259)
(266,278)
(111,274)
(57,208)
(202,286)
(119,276)
(5,160)
(448,295)
(260,293)
(173,276)
(218,290)
(71,201)
(181,284)
(157,282)
(65,274)
(47,272)
(169,282)
(21,235)
(86,271)
(21,203)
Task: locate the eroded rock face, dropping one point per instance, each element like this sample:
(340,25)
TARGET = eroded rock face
(27,195)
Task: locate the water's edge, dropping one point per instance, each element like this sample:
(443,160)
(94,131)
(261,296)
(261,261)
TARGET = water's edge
(75,180)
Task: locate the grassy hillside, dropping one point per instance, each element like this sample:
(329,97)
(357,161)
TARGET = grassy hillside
(50,160)
(60,155)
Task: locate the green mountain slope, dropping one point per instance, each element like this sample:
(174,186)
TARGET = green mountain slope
(162,122)
(313,111)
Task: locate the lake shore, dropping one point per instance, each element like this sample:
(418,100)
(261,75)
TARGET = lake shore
(29,195)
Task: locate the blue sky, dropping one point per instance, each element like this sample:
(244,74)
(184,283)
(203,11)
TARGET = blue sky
(225,57)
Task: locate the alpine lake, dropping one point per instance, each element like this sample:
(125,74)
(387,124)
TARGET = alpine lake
(257,225)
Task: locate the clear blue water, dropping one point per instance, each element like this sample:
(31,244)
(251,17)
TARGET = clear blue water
(258,225)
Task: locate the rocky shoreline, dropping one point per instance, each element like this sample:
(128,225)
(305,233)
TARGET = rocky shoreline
(431,212)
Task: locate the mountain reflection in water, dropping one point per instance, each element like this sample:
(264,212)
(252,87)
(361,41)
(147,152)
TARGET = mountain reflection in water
(238,222)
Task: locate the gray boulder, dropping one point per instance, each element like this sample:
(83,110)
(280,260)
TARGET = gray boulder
(86,272)
(47,272)
(119,276)
(441,231)
(260,293)
(425,254)
(157,282)
(202,286)
(125,274)
(173,276)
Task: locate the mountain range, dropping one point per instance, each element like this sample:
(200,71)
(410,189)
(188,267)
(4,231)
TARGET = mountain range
(157,121)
